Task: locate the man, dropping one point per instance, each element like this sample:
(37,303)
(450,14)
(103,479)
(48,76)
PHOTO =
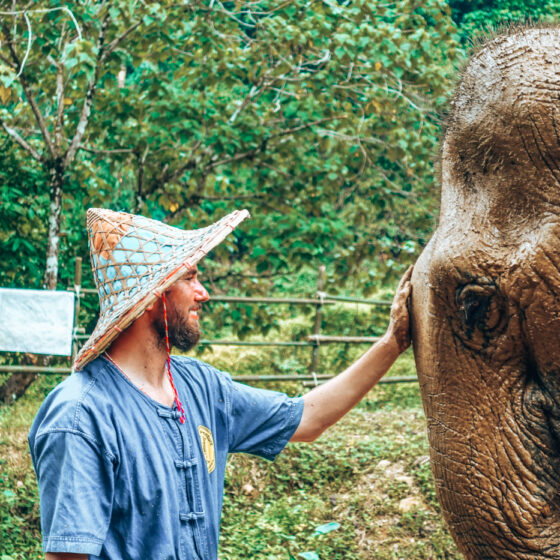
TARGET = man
(130,450)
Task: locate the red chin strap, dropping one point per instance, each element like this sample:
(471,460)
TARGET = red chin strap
(180,408)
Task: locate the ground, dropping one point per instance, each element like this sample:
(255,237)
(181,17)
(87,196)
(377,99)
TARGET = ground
(362,491)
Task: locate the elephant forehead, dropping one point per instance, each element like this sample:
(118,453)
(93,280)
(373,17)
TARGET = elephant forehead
(502,143)
(513,73)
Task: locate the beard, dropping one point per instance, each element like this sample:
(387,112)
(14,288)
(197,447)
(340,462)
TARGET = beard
(182,335)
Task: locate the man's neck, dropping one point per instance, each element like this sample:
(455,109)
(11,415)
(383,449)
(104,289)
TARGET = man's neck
(141,357)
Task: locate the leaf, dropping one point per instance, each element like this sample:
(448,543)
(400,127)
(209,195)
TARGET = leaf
(327,528)
(5,93)
(310,555)
(7,80)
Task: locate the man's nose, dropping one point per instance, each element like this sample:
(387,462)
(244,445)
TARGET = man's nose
(201,294)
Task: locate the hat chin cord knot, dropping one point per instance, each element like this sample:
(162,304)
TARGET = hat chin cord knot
(180,408)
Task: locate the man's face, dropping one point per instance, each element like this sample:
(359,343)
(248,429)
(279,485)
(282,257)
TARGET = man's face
(184,302)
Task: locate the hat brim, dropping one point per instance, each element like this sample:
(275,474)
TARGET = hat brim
(101,338)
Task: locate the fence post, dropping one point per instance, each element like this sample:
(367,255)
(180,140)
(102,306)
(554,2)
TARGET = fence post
(318,317)
(77,289)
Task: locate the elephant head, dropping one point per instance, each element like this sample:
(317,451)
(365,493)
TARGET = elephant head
(486,304)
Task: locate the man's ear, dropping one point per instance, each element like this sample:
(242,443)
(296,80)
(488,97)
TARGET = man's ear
(154,306)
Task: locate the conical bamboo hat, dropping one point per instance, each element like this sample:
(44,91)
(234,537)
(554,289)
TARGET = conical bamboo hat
(134,260)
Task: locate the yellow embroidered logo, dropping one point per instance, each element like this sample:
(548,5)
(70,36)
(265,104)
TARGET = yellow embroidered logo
(207,442)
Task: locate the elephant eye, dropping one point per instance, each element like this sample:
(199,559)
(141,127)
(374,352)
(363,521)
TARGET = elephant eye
(481,307)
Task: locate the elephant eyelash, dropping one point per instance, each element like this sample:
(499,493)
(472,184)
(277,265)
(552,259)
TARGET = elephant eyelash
(481,312)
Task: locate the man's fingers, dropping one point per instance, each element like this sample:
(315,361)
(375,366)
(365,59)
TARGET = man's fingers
(400,318)
(406,277)
(405,287)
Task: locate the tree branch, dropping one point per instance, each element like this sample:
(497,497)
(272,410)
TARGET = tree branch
(102,54)
(27,91)
(165,177)
(88,102)
(59,104)
(107,152)
(8,62)
(191,164)
(262,146)
(17,138)
(118,40)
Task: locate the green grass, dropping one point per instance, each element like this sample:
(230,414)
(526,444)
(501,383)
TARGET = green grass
(369,474)
(20,534)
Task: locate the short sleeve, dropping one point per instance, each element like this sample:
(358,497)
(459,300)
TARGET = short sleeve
(261,421)
(76,485)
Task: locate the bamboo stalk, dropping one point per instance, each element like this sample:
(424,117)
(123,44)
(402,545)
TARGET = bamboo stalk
(328,339)
(234,342)
(252,343)
(282,301)
(243,378)
(37,369)
(77,290)
(313,366)
(384,380)
(329,297)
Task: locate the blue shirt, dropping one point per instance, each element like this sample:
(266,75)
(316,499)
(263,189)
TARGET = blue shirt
(121,478)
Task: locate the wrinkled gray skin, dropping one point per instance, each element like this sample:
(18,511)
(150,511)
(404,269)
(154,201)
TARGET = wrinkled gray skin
(486,304)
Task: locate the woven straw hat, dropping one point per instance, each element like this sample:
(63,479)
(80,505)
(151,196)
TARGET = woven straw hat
(134,260)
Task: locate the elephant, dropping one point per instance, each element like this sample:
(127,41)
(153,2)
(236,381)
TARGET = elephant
(485,303)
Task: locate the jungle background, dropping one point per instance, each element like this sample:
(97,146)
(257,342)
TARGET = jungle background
(323,119)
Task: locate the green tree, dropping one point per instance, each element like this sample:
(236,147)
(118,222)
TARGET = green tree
(476,17)
(298,111)
(317,116)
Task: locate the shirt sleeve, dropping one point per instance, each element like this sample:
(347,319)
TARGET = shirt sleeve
(261,421)
(76,485)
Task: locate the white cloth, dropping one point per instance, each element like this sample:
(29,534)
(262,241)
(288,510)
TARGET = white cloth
(36,321)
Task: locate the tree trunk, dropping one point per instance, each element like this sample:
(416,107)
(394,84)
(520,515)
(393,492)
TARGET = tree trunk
(56,173)
(16,385)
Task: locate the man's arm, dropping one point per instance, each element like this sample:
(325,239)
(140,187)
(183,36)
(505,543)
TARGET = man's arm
(327,403)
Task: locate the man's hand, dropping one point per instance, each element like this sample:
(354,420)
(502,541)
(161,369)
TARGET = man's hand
(399,325)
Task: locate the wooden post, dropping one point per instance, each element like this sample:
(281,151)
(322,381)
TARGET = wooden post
(77,289)
(318,318)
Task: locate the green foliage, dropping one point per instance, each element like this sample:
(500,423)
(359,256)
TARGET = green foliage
(20,534)
(19,530)
(23,211)
(359,477)
(319,120)
(475,17)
